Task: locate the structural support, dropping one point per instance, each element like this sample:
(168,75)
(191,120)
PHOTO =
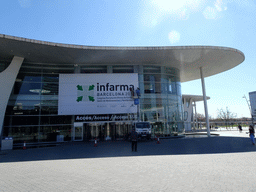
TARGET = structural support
(7,80)
(196,116)
(205,103)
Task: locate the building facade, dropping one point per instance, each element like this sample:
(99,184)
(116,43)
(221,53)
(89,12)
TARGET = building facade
(30,72)
(32,110)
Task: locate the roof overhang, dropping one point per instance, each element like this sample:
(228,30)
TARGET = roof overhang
(188,59)
(195,98)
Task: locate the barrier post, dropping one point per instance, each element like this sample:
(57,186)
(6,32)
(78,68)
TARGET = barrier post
(24,145)
(95,143)
(158,141)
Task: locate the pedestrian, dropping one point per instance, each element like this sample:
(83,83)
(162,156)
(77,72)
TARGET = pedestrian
(251,134)
(240,128)
(134,138)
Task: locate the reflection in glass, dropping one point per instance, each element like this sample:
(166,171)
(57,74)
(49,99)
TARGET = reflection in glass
(32,111)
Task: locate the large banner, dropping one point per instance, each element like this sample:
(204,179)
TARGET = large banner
(252,96)
(82,94)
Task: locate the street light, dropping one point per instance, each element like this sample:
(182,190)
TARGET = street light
(248,107)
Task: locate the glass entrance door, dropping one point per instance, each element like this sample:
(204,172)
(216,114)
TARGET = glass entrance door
(93,131)
(122,131)
(78,132)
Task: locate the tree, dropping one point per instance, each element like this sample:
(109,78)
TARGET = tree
(226,115)
(200,117)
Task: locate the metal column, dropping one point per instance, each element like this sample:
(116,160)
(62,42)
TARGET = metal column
(205,103)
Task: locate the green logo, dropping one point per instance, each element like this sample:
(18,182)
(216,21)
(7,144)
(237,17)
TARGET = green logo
(85,93)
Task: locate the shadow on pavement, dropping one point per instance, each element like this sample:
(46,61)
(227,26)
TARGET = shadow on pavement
(186,146)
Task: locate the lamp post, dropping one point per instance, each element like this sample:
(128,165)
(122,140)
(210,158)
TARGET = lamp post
(250,109)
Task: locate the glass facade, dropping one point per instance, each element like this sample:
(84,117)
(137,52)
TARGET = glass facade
(3,66)
(32,111)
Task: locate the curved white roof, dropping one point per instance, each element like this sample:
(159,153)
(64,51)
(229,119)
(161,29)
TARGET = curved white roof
(195,98)
(188,59)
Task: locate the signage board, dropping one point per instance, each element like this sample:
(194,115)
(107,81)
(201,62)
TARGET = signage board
(136,101)
(89,94)
(105,117)
(252,96)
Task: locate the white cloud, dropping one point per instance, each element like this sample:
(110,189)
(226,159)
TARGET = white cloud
(215,11)
(174,36)
(25,3)
(210,13)
(220,5)
(244,3)
(184,14)
(169,6)
(157,10)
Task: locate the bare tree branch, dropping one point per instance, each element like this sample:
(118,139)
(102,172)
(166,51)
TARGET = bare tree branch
(226,115)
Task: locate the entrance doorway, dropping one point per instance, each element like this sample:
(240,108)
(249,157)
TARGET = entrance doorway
(121,131)
(101,131)
(95,130)
(77,132)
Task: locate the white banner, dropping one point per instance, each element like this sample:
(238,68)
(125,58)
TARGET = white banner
(252,96)
(82,94)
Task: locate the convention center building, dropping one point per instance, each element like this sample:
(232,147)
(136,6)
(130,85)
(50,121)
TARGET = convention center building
(63,92)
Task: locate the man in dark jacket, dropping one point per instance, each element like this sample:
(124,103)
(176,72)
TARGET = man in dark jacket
(134,138)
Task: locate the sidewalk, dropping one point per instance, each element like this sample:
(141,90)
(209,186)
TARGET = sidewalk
(225,132)
(232,132)
(223,163)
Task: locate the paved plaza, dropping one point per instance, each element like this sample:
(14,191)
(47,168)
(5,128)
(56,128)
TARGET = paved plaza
(219,163)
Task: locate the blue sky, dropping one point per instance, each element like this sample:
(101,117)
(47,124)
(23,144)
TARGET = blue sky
(228,23)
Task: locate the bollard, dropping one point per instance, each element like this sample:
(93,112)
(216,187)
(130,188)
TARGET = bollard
(95,143)
(158,142)
(24,145)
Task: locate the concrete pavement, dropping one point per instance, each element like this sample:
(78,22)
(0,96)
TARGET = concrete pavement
(224,163)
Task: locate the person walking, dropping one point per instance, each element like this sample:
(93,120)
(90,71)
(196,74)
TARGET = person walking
(134,138)
(240,128)
(251,134)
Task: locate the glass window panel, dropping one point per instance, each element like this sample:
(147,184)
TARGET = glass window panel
(30,69)
(26,111)
(151,69)
(21,107)
(48,98)
(153,88)
(28,78)
(173,71)
(16,87)
(27,88)
(164,87)
(5,132)
(152,78)
(49,102)
(47,71)
(123,69)
(149,88)
(25,120)
(50,89)
(7,121)
(24,104)
(51,78)
(65,131)
(178,88)
(21,134)
(3,66)
(45,110)
(49,133)
(170,85)
(158,88)
(32,79)
(48,120)
(93,69)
